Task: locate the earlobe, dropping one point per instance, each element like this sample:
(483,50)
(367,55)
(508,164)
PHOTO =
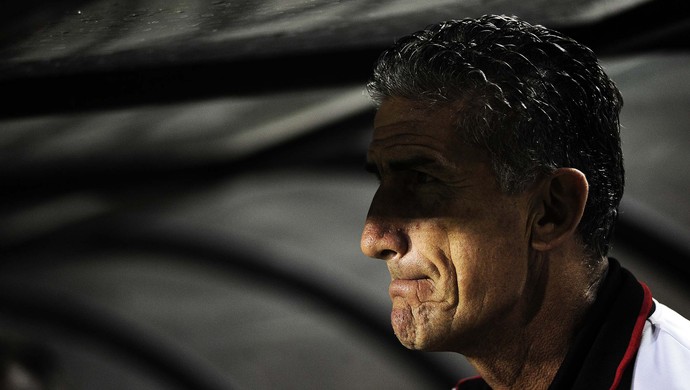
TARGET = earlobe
(558,207)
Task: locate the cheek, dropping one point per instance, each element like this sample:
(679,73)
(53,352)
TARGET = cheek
(490,261)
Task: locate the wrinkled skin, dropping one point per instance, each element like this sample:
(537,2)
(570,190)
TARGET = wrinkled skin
(456,247)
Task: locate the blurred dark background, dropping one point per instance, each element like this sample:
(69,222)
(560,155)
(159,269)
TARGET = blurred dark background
(183,186)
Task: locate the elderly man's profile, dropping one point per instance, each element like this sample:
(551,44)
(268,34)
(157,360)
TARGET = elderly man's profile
(497,148)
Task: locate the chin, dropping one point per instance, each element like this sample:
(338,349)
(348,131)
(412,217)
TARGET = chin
(424,344)
(422,328)
(417,332)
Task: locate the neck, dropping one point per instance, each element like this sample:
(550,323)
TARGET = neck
(524,361)
(528,348)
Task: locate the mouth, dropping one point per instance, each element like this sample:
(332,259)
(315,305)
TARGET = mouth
(415,289)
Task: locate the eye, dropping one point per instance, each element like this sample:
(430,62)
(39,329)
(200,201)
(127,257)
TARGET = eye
(423,178)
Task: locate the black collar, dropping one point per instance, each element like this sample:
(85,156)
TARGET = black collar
(602,355)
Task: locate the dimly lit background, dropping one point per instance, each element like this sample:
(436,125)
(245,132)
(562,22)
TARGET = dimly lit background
(183,186)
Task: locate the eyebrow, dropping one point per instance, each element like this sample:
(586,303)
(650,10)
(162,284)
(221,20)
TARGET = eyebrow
(412,162)
(402,164)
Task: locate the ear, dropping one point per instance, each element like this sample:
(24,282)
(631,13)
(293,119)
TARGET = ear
(558,206)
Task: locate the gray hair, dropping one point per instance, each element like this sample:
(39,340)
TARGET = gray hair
(533,98)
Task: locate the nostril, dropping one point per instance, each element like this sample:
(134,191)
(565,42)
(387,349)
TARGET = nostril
(386,254)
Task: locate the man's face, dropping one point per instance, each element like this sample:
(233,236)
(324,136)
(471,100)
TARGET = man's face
(455,246)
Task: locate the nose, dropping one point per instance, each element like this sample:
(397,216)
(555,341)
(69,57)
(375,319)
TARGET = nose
(383,236)
(382,242)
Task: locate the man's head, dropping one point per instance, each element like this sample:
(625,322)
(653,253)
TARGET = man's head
(534,99)
(487,134)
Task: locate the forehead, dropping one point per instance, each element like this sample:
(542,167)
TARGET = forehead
(402,125)
(397,114)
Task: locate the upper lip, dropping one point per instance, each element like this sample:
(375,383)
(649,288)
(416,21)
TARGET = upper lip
(402,272)
(410,277)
